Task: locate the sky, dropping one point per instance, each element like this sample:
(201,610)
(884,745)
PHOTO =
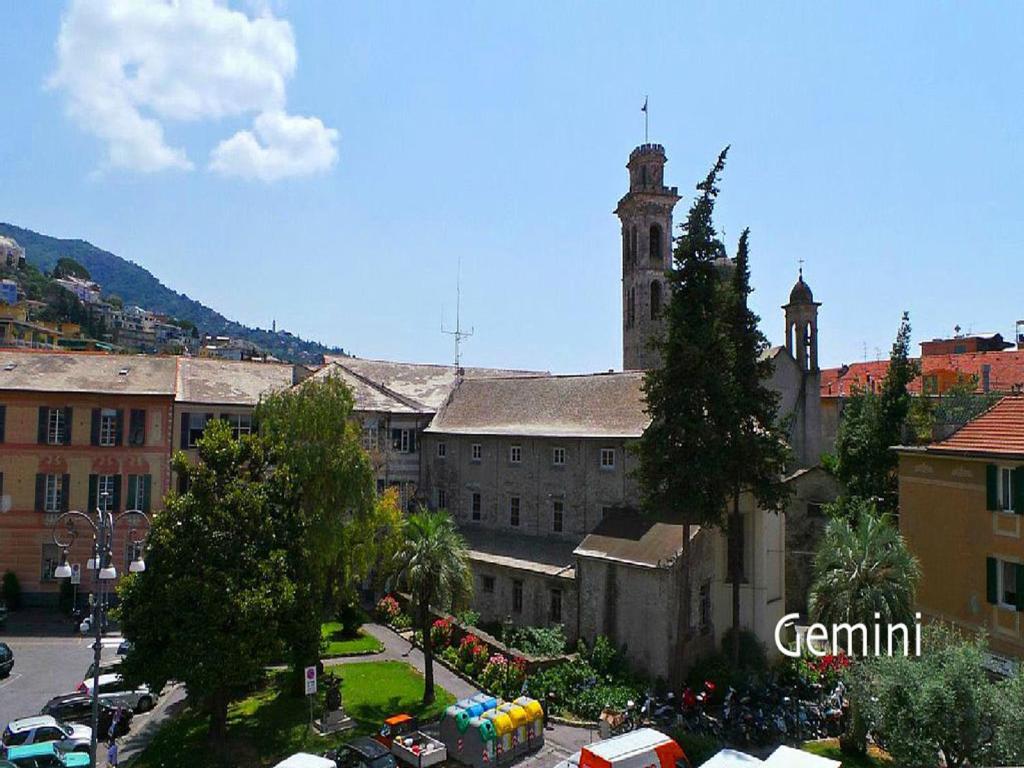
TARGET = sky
(329,165)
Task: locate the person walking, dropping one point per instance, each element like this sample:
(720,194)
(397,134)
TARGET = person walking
(112,754)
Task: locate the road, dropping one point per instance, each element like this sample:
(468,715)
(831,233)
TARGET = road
(49,660)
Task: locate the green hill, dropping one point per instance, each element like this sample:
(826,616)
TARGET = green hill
(136,285)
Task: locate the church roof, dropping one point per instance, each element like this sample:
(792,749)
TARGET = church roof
(801,293)
(587,405)
(423,384)
(626,536)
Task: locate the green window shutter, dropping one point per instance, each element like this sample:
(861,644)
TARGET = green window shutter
(119,427)
(133,502)
(991,487)
(94,481)
(94,427)
(1020,587)
(40,491)
(1018,490)
(116,496)
(65,493)
(991,581)
(69,414)
(44,416)
(147,492)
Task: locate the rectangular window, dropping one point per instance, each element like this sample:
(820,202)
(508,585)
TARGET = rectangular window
(487,584)
(515,454)
(558,508)
(105,490)
(558,457)
(517,596)
(55,427)
(477,506)
(370,436)
(705,606)
(50,561)
(607,458)
(401,440)
(108,427)
(442,450)
(476,452)
(442,498)
(1006,489)
(137,427)
(513,511)
(53,501)
(1008,584)
(241,423)
(139,492)
(555,609)
(196,425)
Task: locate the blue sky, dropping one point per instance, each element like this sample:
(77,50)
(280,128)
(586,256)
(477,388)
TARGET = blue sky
(880,144)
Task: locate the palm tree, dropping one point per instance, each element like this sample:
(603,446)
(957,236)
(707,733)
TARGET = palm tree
(863,569)
(433,565)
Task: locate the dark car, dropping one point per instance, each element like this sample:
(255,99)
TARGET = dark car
(363,752)
(77,708)
(6,660)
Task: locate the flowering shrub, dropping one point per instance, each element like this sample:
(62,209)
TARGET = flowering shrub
(388,609)
(441,633)
(830,668)
(504,677)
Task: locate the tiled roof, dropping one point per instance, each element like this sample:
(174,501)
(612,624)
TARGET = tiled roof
(229,382)
(1006,371)
(368,395)
(429,385)
(591,405)
(998,431)
(628,537)
(86,372)
(547,556)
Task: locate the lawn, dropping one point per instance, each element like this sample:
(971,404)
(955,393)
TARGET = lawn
(335,642)
(830,749)
(270,724)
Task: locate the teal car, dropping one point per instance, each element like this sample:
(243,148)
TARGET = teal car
(46,755)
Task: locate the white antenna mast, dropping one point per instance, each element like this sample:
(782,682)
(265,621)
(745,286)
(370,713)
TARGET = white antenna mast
(458,333)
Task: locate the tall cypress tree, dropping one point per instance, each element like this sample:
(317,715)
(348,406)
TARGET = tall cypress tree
(756,453)
(683,470)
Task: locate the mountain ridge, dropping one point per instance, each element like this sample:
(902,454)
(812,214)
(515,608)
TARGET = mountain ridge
(135,284)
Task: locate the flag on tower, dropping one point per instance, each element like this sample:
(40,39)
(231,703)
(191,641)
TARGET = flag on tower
(644,107)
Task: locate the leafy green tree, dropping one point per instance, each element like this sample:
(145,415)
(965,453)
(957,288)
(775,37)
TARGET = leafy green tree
(756,451)
(1008,741)
(863,568)
(690,409)
(68,267)
(433,566)
(871,424)
(941,709)
(323,490)
(206,611)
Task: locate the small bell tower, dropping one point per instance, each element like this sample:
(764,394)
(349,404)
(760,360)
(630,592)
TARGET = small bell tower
(646,215)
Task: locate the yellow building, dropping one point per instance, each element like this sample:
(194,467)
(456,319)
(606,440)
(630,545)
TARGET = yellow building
(961,506)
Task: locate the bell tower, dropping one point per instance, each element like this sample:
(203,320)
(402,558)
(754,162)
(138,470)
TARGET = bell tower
(646,215)
(802,345)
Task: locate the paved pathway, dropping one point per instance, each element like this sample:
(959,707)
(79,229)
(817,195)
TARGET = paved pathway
(560,741)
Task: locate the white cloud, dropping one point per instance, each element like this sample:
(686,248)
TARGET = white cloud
(128,67)
(279,145)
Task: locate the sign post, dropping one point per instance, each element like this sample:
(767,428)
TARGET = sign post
(311,690)
(76,579)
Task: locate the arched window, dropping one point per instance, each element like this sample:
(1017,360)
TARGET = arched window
(655,300)
(808,346)
(654,249)
(632,253)
(631,312)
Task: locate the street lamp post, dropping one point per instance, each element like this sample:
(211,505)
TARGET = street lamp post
(102,525)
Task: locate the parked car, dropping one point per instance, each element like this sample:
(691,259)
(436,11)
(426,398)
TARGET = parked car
(363,752)
(77,708)
(70,737)
(115,690)
(106,668)
(124,647)
(46,755)
(304,760)
(6,660)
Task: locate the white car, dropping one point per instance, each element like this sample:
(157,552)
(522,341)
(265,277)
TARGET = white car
(113,689)
(70,737)
(305,760)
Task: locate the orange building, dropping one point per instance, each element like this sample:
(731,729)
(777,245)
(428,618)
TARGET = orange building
(77,430)
(961,506)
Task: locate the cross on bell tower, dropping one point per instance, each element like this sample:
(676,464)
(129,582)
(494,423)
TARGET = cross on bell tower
(646,215)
